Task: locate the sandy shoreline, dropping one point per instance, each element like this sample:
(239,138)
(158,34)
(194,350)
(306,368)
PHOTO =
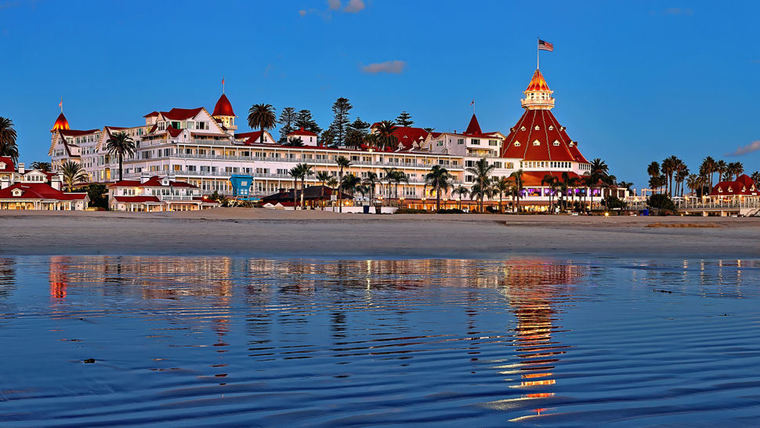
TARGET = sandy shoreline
(266,233)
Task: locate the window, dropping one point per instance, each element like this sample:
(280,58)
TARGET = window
(493,143)
(536,143)
(460,141)
(517,144)
(556,143)
(475,142)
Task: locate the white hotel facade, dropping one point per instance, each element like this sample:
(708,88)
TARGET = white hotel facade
(204,149)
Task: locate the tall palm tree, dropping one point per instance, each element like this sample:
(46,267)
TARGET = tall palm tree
(481,190)
(398,177)
(552,182)
(42,166)
(305,171)
(517,176)
(598,172)
(502,186)
(385,137)
(439,178)
(342,162)
(461,191)
(708,168)
(122,145)
(694,182)
(756,178)
(734,170)
(668,167)
(572,184)
(349,183)
(682,171)
(323,177)
(8,145)
(482,178)
(72,173)
(370,181)
(295,172)
(720,167)
(262,116)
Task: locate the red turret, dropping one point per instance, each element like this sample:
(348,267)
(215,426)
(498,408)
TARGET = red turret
(223,107)
(61,123)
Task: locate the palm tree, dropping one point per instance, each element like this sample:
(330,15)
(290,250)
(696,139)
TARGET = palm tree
(552,182)
(295,172)
(72,173)
(262,116)
(461,191)
(323,177)
(734,170)
(385,137)
(668,168)
(482,178)
(720,168)
(481,190)
(122,145)
(349,183)
(439,178)
(694,182)
(42,166)
(756,178)
(708,168)
(8,145)
(398,177)
(305,171)
(572,184)
(517,177)
(599,172)
(682,172)
(342,162)
(502,186)
(370,181)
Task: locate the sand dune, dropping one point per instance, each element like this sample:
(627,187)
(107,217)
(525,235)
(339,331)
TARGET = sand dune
(260,232)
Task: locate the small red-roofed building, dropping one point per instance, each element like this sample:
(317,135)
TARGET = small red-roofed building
(742,186)
(154,193)
(23,189)
(307,138)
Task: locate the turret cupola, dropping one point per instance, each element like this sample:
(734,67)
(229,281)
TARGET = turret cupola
(538,96)
(223,113)
(60,123)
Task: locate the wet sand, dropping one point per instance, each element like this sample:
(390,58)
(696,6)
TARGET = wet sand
(268,233)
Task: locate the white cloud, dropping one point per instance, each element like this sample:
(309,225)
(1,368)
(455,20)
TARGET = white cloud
(393,67)
(743,150)
(354,6)
(333,4)
(302,12)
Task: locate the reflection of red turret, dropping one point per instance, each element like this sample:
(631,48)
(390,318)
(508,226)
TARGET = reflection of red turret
(60,123)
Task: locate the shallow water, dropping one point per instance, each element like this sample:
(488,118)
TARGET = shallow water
(194,341)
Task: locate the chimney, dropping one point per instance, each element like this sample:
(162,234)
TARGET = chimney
(21,168)
(55,182)
(5,182)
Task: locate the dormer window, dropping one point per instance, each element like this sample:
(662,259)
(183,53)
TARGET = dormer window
(551,127)
(556,143)
(536,143)
(517,144)
(522,128)
(572,144)
(537,128)
(2,165)
(17,192)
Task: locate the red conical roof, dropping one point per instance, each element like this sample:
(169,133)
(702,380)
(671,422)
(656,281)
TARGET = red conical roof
(61,123)
(537,82)
(223,107)
(539,137)
(474,126)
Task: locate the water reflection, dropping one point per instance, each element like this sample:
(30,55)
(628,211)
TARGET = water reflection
(256,341)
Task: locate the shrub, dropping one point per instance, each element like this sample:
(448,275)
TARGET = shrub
(97,194)
(661,202)
(613,202)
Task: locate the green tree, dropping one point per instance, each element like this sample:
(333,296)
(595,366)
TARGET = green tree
(323,177)
(305,121)
(371,181)
(121,145)
(502,186)
(682,171)
(356,132)
(97,193)
(294,142)
(481,173)
(340,109)
(327,139)
(342,163)
(8,145)
(42,166)
(287,121)
(349,182)
(72,174)
(385,137)
(517,176)
(440,179)
(262,117)
(756,178)
(295,172)
(734,170)
(720,168)
(708,168)
(404,119)
(305,171)
(668,167)
(551,181)
(460,191)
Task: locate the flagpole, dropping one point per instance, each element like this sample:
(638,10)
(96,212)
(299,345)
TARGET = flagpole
(537,53)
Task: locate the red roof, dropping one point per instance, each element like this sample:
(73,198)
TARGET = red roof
(154,181)
(407,135)
(223,107)
(136,199)
(249,137)
(151,114)
(474,126)
(173,131)
(76,132)
(9,165)
(537,82)
(38,191)
(60,123)
(181,113)
(302,132)
(742,186)
(553,142)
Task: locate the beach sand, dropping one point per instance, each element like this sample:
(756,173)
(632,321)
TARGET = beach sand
(268,233)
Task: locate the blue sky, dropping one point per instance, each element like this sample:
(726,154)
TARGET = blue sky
(634,81)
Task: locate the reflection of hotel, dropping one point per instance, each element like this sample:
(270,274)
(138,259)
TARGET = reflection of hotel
(205,150)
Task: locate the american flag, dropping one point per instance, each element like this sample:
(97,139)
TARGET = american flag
(545,46)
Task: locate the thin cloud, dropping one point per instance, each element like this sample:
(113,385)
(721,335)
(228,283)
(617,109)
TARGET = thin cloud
(354,6)
(392,67)
(302,12)
(743,150)
(333,4)
(677,11)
